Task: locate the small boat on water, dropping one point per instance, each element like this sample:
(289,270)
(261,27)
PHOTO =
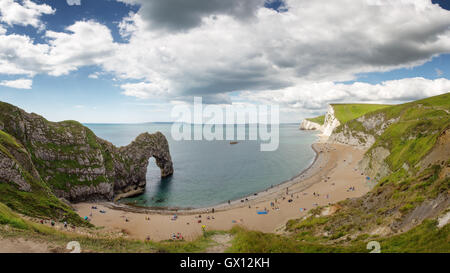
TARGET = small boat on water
(233,142)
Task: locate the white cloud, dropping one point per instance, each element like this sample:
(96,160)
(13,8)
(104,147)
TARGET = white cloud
(143,90)
(316,96)
(27,13)
(308,42)
(19,83)
(93,76)
(276,56)
(20,56)
(73,2)
(84,43)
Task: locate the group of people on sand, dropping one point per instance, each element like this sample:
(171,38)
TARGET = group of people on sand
(177,236)
(88,218)
(199,218)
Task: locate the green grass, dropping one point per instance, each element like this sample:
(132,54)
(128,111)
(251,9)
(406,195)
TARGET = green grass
(20,227)
(246,241)
(414,134)
(346,112)
(38,203)
(426,237)
(319,120)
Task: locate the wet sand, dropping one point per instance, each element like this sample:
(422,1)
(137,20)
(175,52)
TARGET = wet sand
(326,181)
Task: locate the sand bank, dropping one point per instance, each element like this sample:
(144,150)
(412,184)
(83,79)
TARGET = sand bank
(326,181)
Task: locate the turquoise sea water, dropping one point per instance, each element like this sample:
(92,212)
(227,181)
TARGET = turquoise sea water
(211,172)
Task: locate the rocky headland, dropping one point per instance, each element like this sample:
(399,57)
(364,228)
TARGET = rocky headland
(71,161)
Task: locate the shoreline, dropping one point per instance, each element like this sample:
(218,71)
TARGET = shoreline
(219,206)
(327,181)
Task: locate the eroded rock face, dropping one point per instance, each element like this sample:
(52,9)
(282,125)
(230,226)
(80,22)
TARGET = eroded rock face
(373,163)
(309,125)
(10,172)
(330,123)
(371,126)
(76,164)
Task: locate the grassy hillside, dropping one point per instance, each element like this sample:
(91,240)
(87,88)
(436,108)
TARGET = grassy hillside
(94,242)
(39,201)
(425,238)
(413,132)
(346,112)
(319,120)
(400,211)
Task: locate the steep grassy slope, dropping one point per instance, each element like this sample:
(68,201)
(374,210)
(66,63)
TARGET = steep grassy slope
(319,120)
(399,136)
(426,237)
(409,156)
(94,241)
(22,189)
(42,163)
(346,112)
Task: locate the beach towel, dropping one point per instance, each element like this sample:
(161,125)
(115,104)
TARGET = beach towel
(262,212)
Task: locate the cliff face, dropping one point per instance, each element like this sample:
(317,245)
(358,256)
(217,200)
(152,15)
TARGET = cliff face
(329,124)
(73,162)
(408,158)
(309,125)
(403,138)
(363,131)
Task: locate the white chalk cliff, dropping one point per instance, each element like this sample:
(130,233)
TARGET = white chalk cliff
(309,125)
(330,123)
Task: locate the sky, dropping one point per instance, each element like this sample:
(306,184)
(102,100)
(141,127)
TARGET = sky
(131,61)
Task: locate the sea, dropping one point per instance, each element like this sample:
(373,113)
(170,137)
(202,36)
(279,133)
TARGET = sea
(211,172)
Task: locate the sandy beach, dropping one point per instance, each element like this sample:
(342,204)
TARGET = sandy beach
(334,176)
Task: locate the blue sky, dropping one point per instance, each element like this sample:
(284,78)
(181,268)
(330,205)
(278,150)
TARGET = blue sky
(132,60)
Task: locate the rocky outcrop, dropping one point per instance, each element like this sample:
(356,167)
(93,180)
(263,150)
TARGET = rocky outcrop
(309,125)
(357,139)
(428,209)
(76,164)
(440,152)
(373,163)
(11,171)
(362,132)
(330,123)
